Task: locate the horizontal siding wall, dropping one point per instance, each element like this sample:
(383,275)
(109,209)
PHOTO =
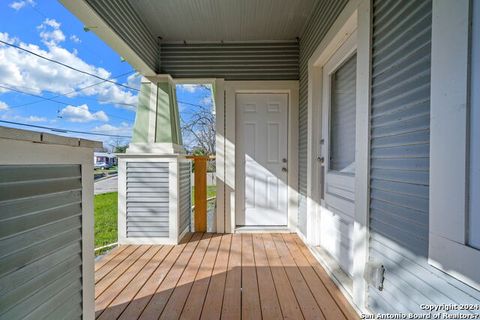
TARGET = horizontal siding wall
(185,208)
(323,16)
(400,134)
(147,199)
(124,20)
(40,242)
(232,61)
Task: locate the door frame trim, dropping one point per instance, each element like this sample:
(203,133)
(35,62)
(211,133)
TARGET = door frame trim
(232,88)
(356,16)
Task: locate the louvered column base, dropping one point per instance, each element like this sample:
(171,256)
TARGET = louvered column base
(154,198)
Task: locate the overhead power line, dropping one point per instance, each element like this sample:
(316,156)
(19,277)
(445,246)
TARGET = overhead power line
(67,66)
(52,100)
(92,133)
(75,91)
(192,104)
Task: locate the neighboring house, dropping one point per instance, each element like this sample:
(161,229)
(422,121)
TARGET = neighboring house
(104,160)
(352,123)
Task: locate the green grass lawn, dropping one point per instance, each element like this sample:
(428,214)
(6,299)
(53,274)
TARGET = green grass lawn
(105,218)
(211,191)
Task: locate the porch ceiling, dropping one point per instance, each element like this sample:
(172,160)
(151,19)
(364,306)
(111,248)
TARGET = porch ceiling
(227,20)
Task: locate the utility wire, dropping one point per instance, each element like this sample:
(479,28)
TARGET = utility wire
(75,91)
(67,104)
(66,65)
(93,133)
(82,71)
(52,100)
(192,104)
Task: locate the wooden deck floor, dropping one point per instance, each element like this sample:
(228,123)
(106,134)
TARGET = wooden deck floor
(213,276)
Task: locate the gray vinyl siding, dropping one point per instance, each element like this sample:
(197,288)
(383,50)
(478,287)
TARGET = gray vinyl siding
(125,21)
(185,208)
(400,134)
(147,199)
(40,242)
(231,61)
(323,16)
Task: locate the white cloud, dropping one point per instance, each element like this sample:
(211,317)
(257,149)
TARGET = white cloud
(35,119)
(106,128)
(51,34)
(3,106)
(123,129)
(134,80)
(82,114)
(75,38)
(18,68)
(206,101)
(192,88)
(17,5)
(18,118)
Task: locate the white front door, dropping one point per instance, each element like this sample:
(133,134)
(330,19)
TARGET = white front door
(338,154)
(261,159)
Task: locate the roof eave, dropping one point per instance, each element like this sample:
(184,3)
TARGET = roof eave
(82,10)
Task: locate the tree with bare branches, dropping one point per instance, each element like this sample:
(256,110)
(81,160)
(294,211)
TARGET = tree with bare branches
(199,132)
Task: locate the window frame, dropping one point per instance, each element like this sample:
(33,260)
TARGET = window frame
(449,157)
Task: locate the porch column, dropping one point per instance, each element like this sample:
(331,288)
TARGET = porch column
(157,122)
(154,176)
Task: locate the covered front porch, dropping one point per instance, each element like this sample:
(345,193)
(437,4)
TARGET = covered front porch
(213,276)
(266,149)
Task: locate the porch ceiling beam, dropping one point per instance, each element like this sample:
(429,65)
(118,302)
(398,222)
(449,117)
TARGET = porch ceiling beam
(92,19)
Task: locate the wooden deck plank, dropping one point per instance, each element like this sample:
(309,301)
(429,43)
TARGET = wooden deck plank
(309,306)
(143,297)
(108,257)
(175,304)
(212,307)
(128,292)
(334,291)
(231,308)
(114,262)
(210,276)
(286,296)
(110,278)
(324,300)
(250,296)
(104,299)
(268,295)
(194,303)
(160,297)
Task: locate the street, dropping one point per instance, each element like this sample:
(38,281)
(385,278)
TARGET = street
(106,185)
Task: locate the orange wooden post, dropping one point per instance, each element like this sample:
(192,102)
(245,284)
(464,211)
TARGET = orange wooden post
(200,193)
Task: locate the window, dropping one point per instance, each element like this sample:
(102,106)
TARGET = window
(454,221)
(342,121)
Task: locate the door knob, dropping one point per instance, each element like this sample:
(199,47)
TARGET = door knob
(284,169)
(284,160)
(321,159)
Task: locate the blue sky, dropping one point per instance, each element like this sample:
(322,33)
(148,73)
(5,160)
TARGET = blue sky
(47,28)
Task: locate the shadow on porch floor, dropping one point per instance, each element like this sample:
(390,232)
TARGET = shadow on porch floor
(213,276)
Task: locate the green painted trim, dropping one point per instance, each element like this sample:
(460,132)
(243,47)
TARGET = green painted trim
(140,128)
(167,118)
(163,128)
(176,116)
